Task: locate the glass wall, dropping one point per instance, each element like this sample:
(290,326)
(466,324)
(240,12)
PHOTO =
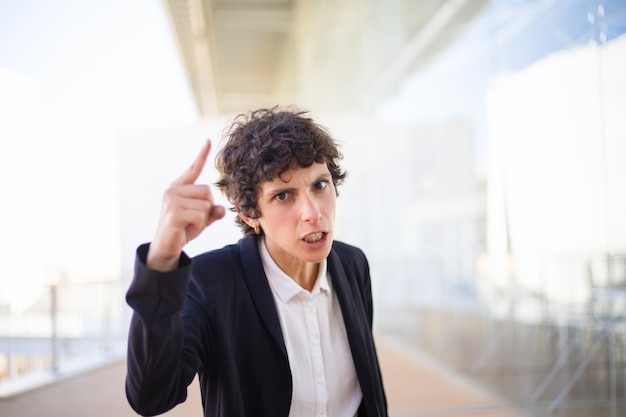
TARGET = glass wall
(488,191)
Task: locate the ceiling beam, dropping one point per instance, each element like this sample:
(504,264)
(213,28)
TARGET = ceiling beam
(192,22)
(278,21)
(397,69)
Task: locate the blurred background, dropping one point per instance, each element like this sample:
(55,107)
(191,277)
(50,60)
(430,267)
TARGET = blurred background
(484,140)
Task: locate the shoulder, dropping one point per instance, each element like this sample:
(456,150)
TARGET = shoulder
(216,256)
(227,260)
(349,258)
(347,251)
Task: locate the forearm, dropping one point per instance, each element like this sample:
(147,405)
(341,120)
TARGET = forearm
(157,377)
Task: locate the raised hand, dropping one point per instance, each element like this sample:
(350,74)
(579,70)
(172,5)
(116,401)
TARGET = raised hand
(187,210)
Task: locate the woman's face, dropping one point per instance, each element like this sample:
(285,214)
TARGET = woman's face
(297,216)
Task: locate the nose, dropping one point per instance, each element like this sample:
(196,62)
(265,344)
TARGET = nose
(310,210)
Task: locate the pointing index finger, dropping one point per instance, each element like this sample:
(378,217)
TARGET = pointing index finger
(191,175)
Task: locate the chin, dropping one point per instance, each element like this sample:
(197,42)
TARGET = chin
(321,253)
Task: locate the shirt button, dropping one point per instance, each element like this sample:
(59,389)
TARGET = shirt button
(320,380)
(315,342)
(309,304)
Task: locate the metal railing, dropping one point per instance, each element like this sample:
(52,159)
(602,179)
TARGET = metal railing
(70,328)
(568,360)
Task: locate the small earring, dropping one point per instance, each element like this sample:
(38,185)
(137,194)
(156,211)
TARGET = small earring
(257,229)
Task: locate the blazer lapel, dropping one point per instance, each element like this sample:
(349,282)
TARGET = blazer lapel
(352,309)
(358,331)
(260,290)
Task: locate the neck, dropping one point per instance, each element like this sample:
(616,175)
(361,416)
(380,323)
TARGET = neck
(302,272)
(306,275)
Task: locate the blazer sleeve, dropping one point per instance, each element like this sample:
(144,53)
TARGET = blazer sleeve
(163,352)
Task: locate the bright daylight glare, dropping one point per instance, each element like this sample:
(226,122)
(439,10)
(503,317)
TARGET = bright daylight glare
(72,74)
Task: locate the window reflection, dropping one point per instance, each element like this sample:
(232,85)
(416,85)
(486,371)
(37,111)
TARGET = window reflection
(512,226)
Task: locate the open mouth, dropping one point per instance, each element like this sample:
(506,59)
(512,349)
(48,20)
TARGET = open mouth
(314,237)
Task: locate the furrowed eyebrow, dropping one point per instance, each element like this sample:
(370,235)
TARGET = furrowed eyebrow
(323,177)
(276,191)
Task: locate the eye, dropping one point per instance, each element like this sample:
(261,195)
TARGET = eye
(281,196)
(320,185)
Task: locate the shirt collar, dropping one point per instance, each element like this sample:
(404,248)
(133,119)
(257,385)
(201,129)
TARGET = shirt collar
(282,284)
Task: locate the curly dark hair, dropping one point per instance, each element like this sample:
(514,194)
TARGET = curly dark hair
(263,144)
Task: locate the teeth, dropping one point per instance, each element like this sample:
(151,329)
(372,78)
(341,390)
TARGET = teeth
(314,237)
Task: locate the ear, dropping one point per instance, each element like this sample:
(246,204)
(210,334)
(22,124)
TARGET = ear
(247,220)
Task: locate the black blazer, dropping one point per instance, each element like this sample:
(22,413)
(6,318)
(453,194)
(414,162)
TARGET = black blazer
(216,317)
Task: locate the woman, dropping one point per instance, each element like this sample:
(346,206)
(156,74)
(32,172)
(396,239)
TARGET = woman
(279,324)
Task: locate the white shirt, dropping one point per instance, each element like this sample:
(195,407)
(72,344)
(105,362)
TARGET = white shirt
(324,379)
